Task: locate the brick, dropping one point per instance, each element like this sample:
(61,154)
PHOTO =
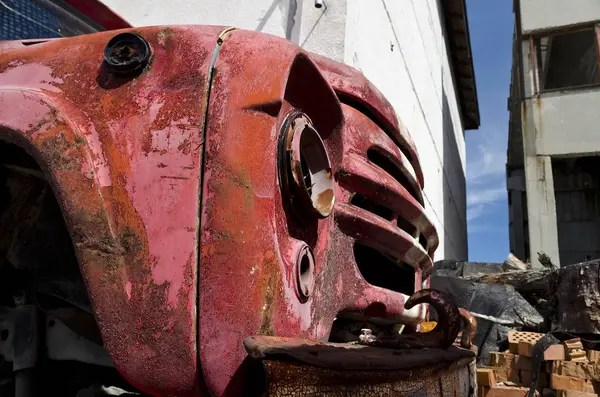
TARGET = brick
(514,337)
(505,366)
(513,345)
(593,356)
(513,341)
(555,353)
(497,359)
(579,370)
(525,348)
(507,374)
(572,393)
(523,363)
(486,377)
(556,367)
(562,382)
(574,350)
(503,391)
(578,355)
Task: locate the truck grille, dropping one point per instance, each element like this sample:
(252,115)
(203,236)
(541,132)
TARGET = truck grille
(384,208)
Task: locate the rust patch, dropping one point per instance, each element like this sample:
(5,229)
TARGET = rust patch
(147,142)
(324,200)
(133,231)
(348,356)
(164,37)
(266,328)
(184,147)
(287,379)
(130,242)
(51,117)
(469,330)
(260,85)
(442,336)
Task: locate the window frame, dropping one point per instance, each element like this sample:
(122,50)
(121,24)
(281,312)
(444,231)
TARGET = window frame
(535,52)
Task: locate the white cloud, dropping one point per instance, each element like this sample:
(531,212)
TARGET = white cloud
(480,199)
(486,195)
(490,161)
(486,183)
(483,201)
(474,212)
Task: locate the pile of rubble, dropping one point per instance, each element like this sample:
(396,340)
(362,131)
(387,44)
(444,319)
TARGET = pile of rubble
(567,369)
(514,297)
(497,296)
(538,328)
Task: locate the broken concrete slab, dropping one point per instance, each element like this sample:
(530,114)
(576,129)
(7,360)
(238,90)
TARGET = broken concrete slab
(455,268)
(448,267)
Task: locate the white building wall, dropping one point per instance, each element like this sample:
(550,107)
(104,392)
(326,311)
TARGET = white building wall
(400,47)
(566,123)
(548,14)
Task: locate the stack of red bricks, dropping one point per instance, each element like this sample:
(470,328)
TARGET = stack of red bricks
(568,369)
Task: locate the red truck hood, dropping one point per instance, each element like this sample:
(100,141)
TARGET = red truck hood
(169,186)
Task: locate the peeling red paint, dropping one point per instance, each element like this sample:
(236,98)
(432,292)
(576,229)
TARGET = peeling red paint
(250,236)
(125,164)
(178,284)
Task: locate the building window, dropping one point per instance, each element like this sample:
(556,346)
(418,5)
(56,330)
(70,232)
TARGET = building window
(37,19)
(567,60)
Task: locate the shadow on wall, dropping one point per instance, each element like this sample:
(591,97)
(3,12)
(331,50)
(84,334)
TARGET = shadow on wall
(454,216)
(291,23)
(265,18)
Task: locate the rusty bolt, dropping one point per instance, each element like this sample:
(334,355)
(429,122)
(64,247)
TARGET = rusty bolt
(366,335)
(305,272)
(127,53)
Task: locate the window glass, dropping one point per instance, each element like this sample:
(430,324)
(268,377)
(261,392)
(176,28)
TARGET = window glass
(36,19)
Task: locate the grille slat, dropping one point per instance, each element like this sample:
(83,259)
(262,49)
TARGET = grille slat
(396,133)
(374,231)
(360,176)
(396,164)
(377,170)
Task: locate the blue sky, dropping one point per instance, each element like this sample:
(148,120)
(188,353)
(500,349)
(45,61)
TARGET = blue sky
(491,28)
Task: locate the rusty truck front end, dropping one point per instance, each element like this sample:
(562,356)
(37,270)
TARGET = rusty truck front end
(215,184)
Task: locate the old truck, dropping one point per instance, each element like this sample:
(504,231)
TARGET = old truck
(199,210)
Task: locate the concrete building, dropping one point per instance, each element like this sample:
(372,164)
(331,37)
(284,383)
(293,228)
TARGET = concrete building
(553,168)
(417,52)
